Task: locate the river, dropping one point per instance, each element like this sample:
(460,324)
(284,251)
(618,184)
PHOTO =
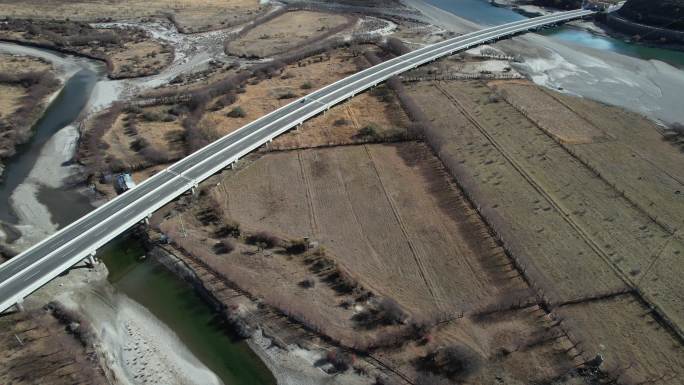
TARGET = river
(483,13)
(644,79)
(169,299)
(63,110)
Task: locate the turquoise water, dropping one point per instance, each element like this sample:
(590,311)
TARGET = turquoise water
(482,12)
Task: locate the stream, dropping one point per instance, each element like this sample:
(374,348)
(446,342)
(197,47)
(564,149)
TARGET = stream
(169,299)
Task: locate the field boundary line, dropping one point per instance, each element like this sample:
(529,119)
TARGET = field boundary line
(421,268)
(622,276)
(671,231)
(309,197)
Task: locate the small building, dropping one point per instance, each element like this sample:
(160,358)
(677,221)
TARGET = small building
(123,182)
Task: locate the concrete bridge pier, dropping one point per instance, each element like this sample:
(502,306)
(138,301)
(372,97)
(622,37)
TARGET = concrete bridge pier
(19,305)
(90,260)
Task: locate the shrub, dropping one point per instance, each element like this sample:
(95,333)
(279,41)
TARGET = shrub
(236,112)
(229,228)
(287,95)
(297,246)
(340,360)
(263,239)
(155,155)
(387,312)
(454,362)
(369,131)
(138,144)
(224,246)
(494,98)
(678,128)
(307,86)
(340,122)
(307,283)
(151,116)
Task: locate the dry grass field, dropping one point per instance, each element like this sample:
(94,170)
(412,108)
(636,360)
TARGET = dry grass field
(286,32)
(630,341)
(38,350)
(389,216)
(556,256)
(11,94)
(26,84)
(643,172)
(162,137)
(190,15)
(573,230)
(382,211)
(127,52)
(339,125)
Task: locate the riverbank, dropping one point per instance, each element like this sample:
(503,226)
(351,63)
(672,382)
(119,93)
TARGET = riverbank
(271,334)
(648,87)
(136,347)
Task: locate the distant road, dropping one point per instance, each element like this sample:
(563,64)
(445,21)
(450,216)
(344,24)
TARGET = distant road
(33,268)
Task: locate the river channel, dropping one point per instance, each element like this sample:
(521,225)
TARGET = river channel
(483,13)
(171,300)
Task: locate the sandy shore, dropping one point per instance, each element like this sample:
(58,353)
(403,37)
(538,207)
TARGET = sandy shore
(34,218)
(648,87)
(296,366)
(137,347)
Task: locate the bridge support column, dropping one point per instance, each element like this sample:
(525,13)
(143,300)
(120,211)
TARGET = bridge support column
(19,305)
(90,260)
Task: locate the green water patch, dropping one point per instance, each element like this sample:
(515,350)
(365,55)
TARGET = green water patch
(175,303)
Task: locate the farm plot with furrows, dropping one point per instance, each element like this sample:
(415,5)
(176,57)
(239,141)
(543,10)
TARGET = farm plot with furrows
(634,230)
(632,343)
(616,229)
(636,160)
(555,256)
(387,213)
(287,32)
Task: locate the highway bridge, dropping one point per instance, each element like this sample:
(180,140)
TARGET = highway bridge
(36,266)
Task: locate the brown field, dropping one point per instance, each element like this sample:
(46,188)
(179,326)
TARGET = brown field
(37,350)
(528,180)
(630,341)
(525,217)
(10,97)
(11,94)
(647,174)
(191,15)
(161,136)
(284,33)
(26,84)
(273,276)
(516,348)
(381,211)
(128,52)
(342,123)
(390,216)
(262,97)
(637,160)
